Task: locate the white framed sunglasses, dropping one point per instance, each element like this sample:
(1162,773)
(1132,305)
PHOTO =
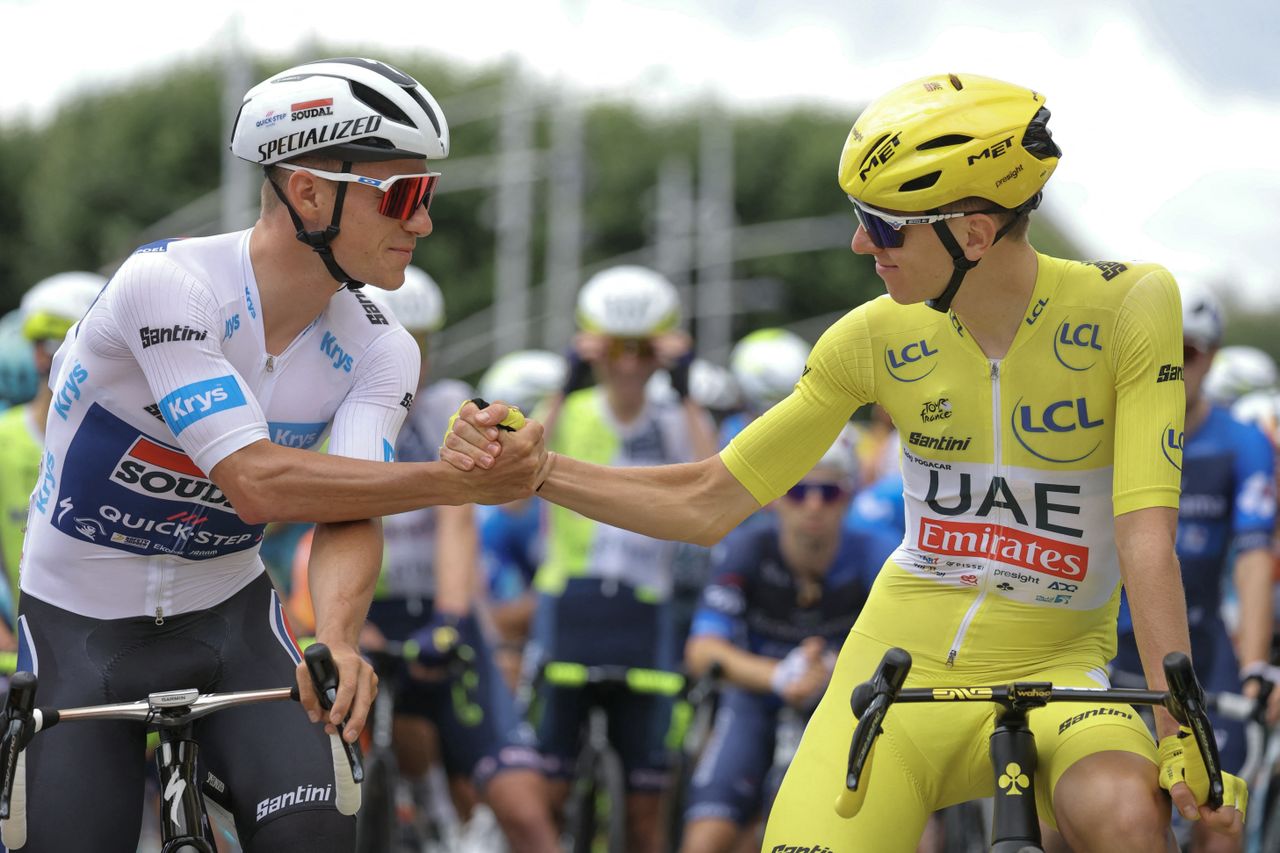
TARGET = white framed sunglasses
(401,194)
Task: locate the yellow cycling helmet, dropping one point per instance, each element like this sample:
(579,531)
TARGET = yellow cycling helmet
(941,139)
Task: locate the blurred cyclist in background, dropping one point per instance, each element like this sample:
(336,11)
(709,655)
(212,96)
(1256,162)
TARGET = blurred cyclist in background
(604,592)
(511,537)
(47,311)
(429,591)
(1236,371)
(767,364)
(17,362)
(1227,513)
(782,598)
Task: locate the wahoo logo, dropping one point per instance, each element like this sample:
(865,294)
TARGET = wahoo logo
(1084,336)
(302,435)
(1172,446)
(302,794)
(70,390)
(905,365)
(882,151)
(149,468)
(329,346)
(1059,417)
(150,337)
(199,400)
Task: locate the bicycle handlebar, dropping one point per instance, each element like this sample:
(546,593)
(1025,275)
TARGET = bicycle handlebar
(870,702)
(168,709)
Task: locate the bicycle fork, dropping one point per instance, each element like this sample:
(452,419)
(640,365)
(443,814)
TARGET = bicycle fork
(1013,762)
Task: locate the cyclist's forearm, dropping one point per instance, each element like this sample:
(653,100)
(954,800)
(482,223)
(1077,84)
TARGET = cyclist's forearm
(457,551)
(345,558)
(749,671)
(697,502)
(1253,581)
(266,482)
(1149,566)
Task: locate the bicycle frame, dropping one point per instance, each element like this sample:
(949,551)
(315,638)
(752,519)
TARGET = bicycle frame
(1012,746)
(184,820)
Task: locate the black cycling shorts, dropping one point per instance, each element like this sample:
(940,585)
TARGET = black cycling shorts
(86,779)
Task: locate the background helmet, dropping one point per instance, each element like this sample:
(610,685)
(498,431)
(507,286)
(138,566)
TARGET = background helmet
(1238,370)
(55,304)
(628,302)
(767,364)
(418,303)
(524,378)
(1201,317)
(348,108)
(17,362)
(1261,408)
(842,456)
(710,386)
(940,139)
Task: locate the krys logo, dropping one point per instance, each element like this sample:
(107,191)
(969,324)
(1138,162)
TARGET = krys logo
(909,363)
(194,402)
(1072,345)
(1171,444)
(1040,431)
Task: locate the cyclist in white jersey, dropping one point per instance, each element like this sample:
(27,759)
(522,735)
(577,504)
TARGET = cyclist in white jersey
(183,403)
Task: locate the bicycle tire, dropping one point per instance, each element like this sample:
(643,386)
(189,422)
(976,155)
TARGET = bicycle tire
(376,822)
(597,812)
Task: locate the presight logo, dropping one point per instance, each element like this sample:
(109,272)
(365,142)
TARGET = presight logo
(1031,424)
(149,468)
(1075,342)
(906,364)
(1171,445)
(199,400)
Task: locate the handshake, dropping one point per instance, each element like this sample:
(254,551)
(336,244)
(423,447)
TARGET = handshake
(504,453)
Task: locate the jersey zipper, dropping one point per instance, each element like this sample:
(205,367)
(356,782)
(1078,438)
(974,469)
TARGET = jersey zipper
(969,615)
(271,363)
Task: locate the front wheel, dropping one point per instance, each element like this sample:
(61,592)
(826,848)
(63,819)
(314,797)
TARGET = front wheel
(597,811)
(376,821)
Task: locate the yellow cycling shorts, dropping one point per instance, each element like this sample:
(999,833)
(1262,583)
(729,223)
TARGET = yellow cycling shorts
(930,756)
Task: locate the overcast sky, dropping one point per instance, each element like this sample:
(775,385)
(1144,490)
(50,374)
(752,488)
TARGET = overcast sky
(1168,111)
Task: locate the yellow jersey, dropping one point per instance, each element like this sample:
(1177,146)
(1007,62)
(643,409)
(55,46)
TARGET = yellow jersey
(1013,468)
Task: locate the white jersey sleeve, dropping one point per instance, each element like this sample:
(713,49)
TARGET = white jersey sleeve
(369,418)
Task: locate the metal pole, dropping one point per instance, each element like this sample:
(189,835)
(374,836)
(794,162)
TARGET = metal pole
(715,225)
(237,185)
(564,222)
(514,220)
(673,227)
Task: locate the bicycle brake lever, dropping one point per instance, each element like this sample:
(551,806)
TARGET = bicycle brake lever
(1186,703)
(18,733)
(324,677)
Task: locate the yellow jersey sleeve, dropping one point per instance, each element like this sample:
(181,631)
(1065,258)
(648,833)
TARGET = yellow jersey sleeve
(782,445)
(1150,397)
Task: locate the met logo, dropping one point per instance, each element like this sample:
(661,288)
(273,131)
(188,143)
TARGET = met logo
(1056,419)
(904,364)
(1070,342)
(191,403)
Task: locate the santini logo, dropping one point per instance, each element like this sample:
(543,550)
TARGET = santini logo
(303,794)
(151,337)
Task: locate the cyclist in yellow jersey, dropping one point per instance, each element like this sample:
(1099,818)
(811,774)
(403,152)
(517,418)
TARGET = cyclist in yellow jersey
(1041,407)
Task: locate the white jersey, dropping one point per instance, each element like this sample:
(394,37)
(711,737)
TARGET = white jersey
(164,377)
(409,556)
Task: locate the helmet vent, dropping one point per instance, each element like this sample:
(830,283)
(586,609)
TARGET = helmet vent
(955,82)
(1038,139)
(921,183)
(379,103)
(944,141)
(426,107)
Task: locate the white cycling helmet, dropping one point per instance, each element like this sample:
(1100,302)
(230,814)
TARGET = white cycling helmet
(710,386)
(55,304)
(1238,370)
(524,378)
(418,303)
(349,108)
(767,364)
(628,302)
(1261,408)
(1201,317)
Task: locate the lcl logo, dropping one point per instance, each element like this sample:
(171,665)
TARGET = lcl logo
(1071,344)
(905,365)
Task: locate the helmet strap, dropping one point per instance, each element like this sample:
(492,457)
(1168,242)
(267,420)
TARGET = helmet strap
(320,241)
(942,302)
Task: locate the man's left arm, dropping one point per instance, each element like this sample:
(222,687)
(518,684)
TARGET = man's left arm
(1253,520)
(345,559)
